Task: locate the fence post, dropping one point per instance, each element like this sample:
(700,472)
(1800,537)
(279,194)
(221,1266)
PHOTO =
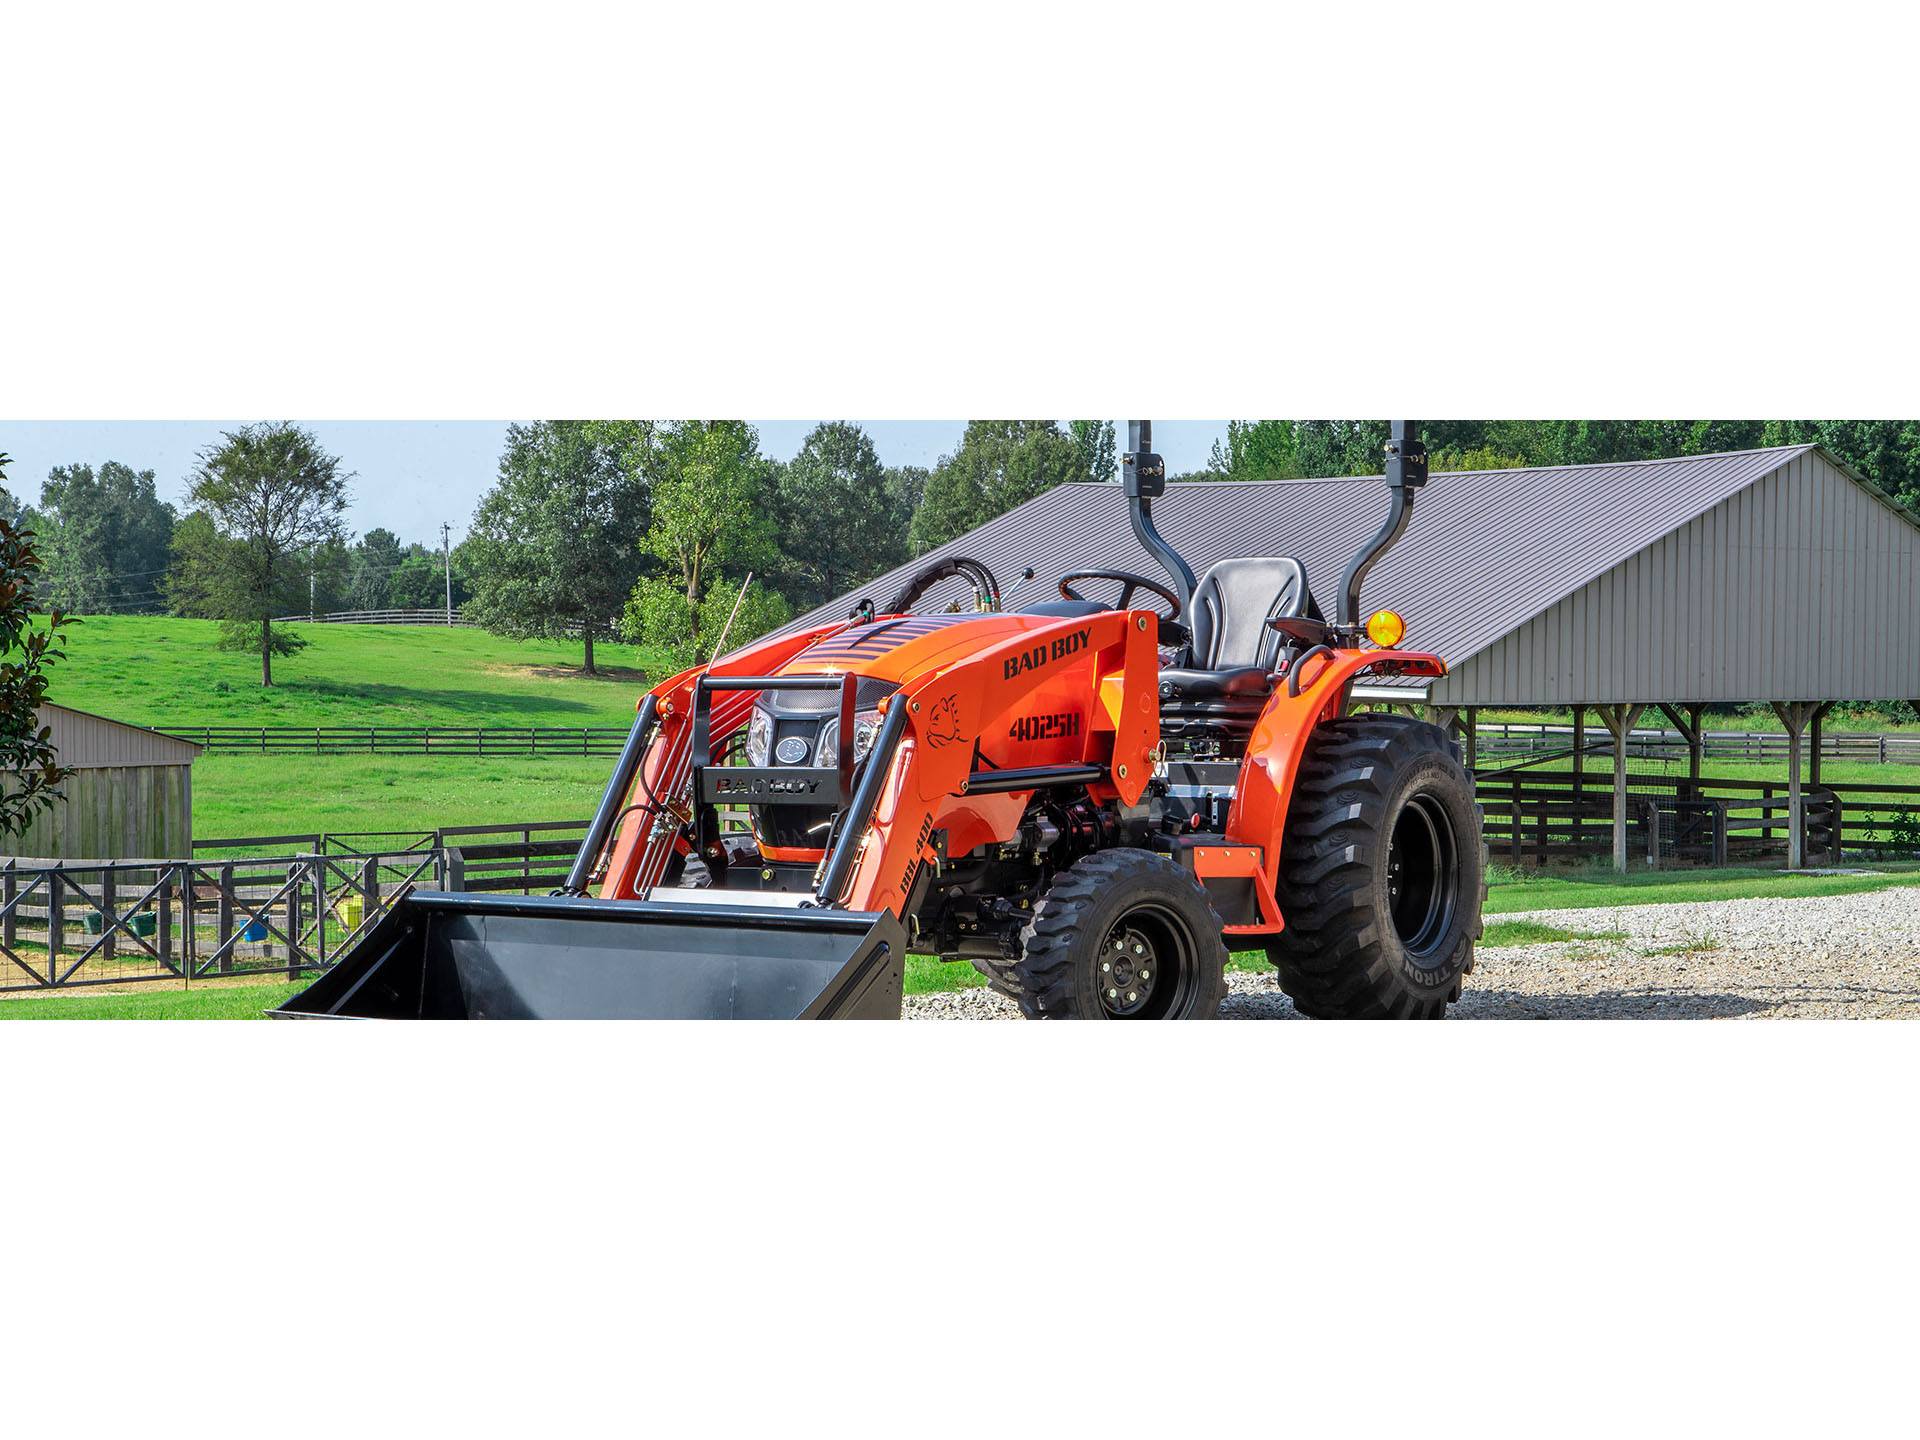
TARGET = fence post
(189,941)
(9,890)
(293,931)
(1653,833)
(223,919)
(456,871)
(1719,833)
(108,902)
(56,916)
(322,912)
(163,919)
(369,887)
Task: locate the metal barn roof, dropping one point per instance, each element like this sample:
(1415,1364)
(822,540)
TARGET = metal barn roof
(1577,584)
(94,742)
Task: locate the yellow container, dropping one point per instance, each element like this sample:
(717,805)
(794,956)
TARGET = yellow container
(349,909)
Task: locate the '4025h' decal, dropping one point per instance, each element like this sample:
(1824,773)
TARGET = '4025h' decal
(1063,726)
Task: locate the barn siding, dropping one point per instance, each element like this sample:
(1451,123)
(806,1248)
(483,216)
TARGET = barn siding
(122,812)
(1803,586)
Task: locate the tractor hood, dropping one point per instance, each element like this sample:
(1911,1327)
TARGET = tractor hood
(906,647)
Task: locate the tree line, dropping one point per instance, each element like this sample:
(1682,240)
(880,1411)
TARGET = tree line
(1885,452)
(647,531)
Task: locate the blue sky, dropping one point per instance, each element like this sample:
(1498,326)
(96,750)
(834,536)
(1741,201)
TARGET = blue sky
(413,474)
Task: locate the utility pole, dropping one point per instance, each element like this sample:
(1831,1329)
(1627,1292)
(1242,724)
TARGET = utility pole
(446,563)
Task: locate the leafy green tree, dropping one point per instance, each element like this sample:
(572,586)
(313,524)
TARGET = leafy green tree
(1098,448)
(659,615)
(554,545)
(1887,452)
(712,507)
(377,555)
(906,487)
(27,756)
(1256,450)
(838,524)
(104,538)
(419,582)
(1000,464)
(272,497)
(1479,457)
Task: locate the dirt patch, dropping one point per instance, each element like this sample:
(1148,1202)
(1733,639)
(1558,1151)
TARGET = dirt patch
(615,673)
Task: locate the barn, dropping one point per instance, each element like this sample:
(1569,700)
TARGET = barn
(130,798)
(1775,575)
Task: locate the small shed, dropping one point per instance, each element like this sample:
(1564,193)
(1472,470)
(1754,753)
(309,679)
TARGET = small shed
(130,798)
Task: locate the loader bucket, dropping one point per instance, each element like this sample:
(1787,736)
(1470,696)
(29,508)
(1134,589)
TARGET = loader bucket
(484,957)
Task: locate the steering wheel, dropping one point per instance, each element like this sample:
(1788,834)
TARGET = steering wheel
(986,589)
(1128,582)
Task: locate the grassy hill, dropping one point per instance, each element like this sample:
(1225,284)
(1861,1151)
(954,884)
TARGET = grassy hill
(159,671)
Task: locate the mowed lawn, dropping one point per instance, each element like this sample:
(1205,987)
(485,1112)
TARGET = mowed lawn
(245,795)
(159,671)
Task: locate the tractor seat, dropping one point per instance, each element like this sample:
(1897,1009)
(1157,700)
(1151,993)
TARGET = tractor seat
(1225,685)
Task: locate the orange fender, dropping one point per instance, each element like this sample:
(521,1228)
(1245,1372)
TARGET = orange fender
(1259,812)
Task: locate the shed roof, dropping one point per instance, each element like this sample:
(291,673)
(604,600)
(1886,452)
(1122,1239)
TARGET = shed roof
(1486,552)
(94,742)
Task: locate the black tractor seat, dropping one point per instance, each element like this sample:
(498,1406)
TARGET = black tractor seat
(1220,693)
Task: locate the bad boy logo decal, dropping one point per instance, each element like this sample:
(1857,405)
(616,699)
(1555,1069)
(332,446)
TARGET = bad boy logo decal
(943,722)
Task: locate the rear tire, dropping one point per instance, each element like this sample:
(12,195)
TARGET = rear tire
(1382,873)
(1122,935)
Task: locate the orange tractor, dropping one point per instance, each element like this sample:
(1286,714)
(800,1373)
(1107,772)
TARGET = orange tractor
(1092,803)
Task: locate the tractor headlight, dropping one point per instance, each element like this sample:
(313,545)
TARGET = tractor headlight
(759,736)
(866,725)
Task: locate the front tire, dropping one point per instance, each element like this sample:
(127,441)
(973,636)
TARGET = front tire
(1381,873)
(1122,935)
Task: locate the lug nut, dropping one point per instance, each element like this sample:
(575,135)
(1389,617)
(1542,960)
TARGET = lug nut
(1106,965)
(1131,997)
(1146,974)
(1113,994)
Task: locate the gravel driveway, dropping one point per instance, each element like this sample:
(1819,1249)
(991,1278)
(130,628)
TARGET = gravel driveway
(1840,957)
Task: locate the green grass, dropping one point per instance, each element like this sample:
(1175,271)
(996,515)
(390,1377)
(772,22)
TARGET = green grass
(1595,888)
(222,1002)
(236,795)
(1503,934)
(154,670)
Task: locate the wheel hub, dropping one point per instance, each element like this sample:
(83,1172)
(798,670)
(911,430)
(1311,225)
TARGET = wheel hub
(1129,970)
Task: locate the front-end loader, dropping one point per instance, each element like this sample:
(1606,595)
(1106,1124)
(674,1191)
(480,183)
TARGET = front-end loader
(1093,803)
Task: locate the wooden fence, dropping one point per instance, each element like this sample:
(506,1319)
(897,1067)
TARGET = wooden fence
(375,617)
(405,739)
(1502,740)
(1532,817)
(233,911)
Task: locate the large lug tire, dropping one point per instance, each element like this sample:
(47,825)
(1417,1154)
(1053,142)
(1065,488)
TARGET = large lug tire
(1382,873)
(1122,935)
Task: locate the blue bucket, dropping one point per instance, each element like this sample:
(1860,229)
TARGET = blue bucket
(255,932)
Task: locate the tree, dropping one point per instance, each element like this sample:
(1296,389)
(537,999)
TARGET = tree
(1097,448)
(838,523)
(272,498)
(31,768)
(711,507)
(1256,450)
(1000,464)
(1887,452)
(377,555)
(554,545)
(104,538)
(659,616)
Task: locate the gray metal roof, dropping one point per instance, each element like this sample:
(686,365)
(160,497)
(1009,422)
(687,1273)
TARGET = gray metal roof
(95,742)
(1486,550)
